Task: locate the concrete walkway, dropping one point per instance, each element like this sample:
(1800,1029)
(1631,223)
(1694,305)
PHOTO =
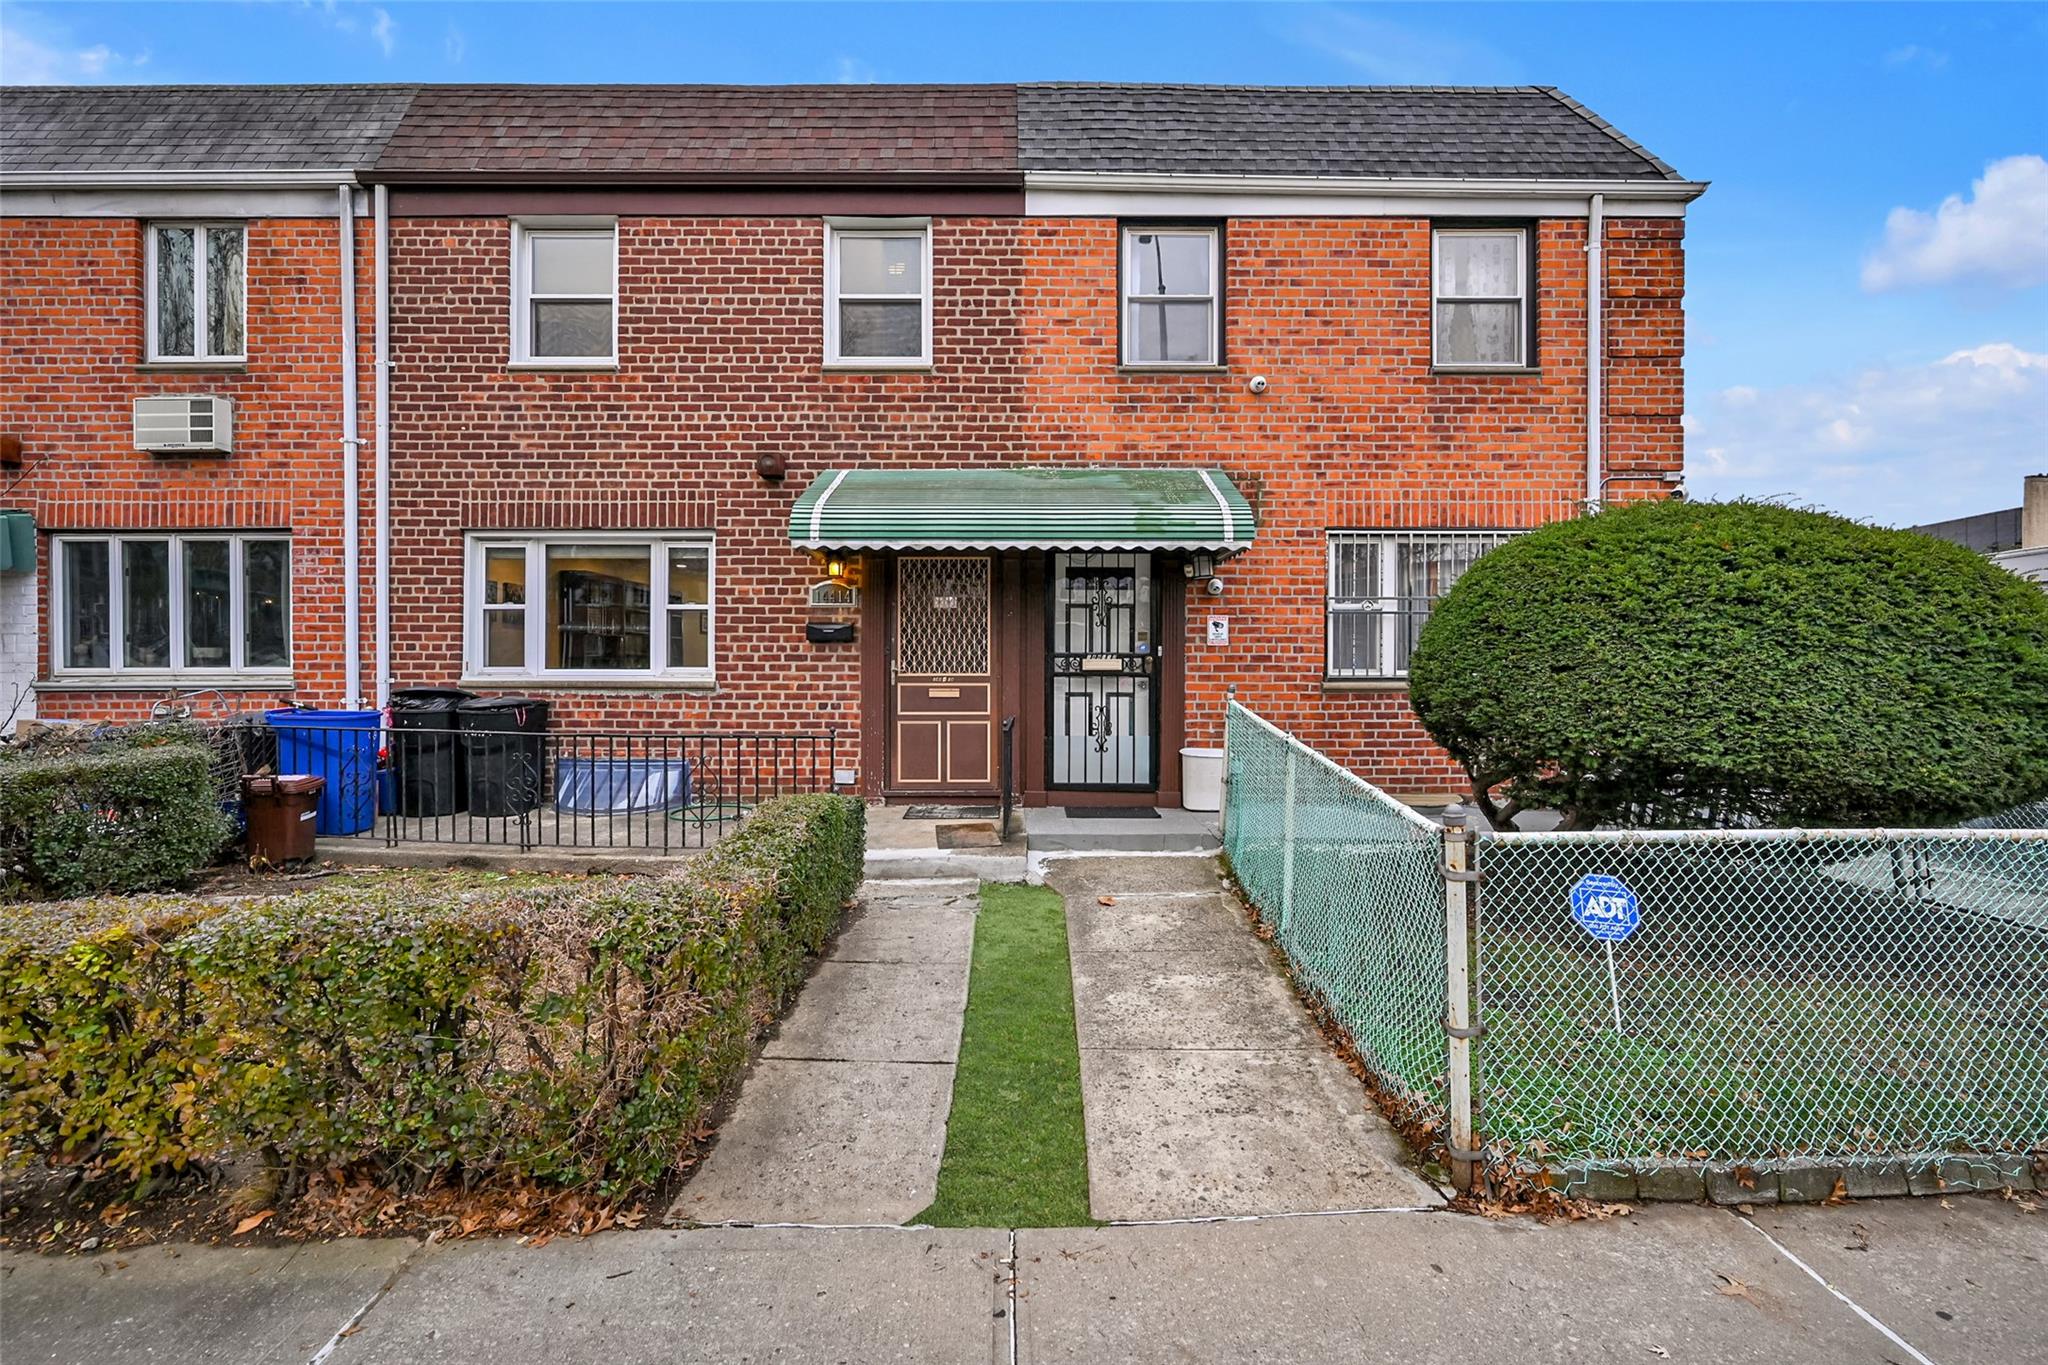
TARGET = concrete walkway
(843,1117)
(1919,1284)
(1206,1089)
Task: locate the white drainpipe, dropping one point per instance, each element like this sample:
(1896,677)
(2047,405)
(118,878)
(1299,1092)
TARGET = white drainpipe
(1596,411)
(383,456)
(351,468)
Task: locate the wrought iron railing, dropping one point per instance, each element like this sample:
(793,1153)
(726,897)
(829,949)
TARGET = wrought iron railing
(599,791)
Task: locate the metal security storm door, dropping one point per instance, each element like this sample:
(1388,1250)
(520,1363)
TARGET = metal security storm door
(1104,664)
(942,683)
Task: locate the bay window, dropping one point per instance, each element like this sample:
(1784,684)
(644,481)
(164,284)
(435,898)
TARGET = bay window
(157,603)
(590,605)
(1382,585)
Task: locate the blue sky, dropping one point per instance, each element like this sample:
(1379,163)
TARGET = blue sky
(1868,276)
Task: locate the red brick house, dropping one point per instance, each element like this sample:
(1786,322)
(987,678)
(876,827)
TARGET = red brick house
(900,411)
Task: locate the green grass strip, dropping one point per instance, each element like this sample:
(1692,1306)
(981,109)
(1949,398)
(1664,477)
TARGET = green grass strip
(1016,1151)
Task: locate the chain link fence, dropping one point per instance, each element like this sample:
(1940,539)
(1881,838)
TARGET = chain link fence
(1748,1001)
(1349,881)
(1782,997)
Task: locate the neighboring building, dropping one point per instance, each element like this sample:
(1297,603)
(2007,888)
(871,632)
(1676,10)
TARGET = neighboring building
(1077,403)
(2015,538)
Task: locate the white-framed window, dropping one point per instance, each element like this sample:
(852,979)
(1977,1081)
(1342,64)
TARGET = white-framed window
(196,292)
(1171,316)
(590,604)
(878,294)
(1382,585)
(565,293)
(1481,298)
(197,602)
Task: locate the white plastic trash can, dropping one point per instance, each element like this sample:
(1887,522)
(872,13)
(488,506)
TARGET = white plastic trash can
(1201,779)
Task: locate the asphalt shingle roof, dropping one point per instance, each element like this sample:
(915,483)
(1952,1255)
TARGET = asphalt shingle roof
(1508,132)
(707,132)
(196,127)
(738,133)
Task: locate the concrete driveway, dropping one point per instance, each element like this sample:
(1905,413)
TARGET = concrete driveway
(1206,1089)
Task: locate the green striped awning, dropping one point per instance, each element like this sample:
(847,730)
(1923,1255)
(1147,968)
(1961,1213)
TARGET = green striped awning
(1036,507)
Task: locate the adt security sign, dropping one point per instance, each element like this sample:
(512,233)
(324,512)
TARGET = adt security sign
(1605,908)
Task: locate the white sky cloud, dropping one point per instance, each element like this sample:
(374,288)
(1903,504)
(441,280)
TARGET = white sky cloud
(33,51)
(1901,445)
(1998,236)
(1382,50)
(454,45)
(851,70)
(383,31)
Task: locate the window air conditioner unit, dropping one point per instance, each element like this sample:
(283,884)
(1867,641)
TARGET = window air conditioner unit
(185,425)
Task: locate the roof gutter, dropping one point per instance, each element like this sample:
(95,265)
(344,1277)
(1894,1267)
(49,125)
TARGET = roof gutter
(257,179)
(1133,182)
(455,177)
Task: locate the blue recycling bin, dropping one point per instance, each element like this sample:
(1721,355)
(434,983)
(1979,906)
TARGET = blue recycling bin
(340,746)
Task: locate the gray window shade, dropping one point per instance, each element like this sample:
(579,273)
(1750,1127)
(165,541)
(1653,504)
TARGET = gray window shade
(176,277)
(566,263)
(881,265)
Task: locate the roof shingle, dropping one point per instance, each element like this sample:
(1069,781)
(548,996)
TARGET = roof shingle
(707,132)
(1505,132)
(196,127)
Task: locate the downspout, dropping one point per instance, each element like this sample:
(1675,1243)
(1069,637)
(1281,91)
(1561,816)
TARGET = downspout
(382,526)
(1596,411)
(351,468)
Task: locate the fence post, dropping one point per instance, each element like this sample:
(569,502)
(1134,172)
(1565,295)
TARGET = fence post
(1223,805)
(1459,875)
(1287,846)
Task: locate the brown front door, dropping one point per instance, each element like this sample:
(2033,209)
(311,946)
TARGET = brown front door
(942,679)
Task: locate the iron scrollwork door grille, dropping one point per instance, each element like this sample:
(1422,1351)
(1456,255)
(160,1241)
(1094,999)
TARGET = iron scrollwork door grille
(1103,661)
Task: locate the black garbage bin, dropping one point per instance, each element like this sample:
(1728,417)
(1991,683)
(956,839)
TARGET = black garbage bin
(503,752)
(426,752)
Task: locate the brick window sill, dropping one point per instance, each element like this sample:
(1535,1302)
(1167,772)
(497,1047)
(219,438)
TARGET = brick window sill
(1365,684)
(1173,369)
(1487,371)
(562,367)
(193,367)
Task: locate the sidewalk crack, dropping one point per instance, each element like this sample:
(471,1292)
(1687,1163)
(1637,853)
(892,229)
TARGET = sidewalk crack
(356,1319)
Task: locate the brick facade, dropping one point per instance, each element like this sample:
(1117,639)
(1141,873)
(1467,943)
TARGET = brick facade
(720,362)
(72,337)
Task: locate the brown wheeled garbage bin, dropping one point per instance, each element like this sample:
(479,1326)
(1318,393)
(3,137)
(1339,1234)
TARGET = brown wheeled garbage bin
(280,812)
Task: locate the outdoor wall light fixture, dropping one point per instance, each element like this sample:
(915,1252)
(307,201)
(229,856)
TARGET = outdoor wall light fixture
(835,568)
(771,466)
(1200,565)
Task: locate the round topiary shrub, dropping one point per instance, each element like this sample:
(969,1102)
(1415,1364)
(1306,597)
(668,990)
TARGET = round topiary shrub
(1676,664)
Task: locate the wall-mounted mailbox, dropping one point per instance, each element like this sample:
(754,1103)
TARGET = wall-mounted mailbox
(829,632)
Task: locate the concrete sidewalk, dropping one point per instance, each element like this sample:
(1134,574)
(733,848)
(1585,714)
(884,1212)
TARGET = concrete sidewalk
(1207,1091)
(843,1117)
(1957,1285)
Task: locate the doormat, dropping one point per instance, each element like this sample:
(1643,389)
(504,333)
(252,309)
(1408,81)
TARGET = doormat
(950,812)
(972,834)
(1111,813)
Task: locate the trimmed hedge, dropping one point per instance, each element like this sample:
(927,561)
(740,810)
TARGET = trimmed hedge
(1677,664)
(569,1031)
(120,818)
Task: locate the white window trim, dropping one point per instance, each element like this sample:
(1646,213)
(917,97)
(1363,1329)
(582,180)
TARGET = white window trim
(1521,298)
(200,357)
(835,229)
(523,231)
(1128,275)
(1387,605)
(117,609)
(532,669)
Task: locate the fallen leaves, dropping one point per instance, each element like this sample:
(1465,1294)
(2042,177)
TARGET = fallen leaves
(253,1222)
(1733,1288)
(1105,900)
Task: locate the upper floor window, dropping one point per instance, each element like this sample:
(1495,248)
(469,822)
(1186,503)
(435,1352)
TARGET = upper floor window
(565,295)
(1171,317)
(192,603)
(197,287)
(1382,585)
(591,605)
(878,297)
(1482,298)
